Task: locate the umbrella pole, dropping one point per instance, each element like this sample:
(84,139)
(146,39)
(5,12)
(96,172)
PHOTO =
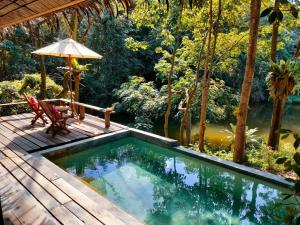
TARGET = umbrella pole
(70,70)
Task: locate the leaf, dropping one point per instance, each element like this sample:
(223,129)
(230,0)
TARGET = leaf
(281,160)
(297,187)
(284,131)
(284,136)
(296,169)
(284,1)
(288,165)
(279,16)
(266,12)
(287,196)
(272,17)
(297,158)
(294,11)
(297,143)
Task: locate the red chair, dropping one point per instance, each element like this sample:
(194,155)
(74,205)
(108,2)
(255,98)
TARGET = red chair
(59,120)
(39,112)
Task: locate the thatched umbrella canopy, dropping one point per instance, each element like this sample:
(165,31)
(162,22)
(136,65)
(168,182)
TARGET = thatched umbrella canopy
(69,49)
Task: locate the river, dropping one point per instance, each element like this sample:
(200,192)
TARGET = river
(259,117)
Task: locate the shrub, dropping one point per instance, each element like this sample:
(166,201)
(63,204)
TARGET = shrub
(10,91)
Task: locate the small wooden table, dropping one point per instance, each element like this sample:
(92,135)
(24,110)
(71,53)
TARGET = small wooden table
(62,109)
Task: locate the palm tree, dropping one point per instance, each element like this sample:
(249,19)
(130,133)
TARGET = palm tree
(280,82)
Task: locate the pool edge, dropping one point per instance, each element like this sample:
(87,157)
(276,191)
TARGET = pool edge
(173,145)
(246,170)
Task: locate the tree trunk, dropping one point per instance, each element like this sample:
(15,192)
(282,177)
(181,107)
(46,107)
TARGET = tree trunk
(240,138)
(42,64)
(274,34)
(207,72)
(65,85)
(277,114)
(170,75)
(297,51)
(77,78)
(186,123)
(76,75)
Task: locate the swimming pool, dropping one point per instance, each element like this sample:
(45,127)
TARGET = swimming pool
(162,187)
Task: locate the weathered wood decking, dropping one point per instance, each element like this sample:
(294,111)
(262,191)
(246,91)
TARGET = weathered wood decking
(35,191)
(17,133)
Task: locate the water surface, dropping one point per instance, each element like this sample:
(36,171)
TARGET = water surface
(259,117)
(164,187)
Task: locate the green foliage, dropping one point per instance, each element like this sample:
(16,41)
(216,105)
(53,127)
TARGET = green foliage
(282,78)
(292,163)
(277,15)
(10,91)
(251,138)
(16,58)
(140,98)
(109,37)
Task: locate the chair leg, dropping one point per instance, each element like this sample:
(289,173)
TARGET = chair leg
(44,120)
(49,128)
(55,131)
(34,119)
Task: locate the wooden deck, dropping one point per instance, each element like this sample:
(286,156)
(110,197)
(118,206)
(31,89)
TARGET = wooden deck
(16,132)
(35,191)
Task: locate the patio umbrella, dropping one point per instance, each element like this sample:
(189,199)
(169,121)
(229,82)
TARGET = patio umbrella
(68,48)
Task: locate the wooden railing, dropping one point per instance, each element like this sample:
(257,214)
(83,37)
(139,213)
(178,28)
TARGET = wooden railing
(78,106)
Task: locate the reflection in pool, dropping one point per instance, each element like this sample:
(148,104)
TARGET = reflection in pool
(160,186)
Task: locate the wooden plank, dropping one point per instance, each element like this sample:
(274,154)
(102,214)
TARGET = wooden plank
(102,204)
(62,214)
(18,131)
(19,140)
(7,143)
(39,166)
(39,131)
(75,132)
(59,138)
(18,206)
(101,214)
(57,210)
(43,197)
(84,216)
(28,129)
(37,177)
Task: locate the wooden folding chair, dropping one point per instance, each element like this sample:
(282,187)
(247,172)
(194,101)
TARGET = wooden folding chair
(34,105)
(58,120)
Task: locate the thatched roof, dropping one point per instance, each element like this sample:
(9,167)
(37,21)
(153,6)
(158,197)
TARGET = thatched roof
(18,11)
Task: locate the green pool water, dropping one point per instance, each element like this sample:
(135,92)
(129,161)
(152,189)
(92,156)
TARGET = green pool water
(163,187)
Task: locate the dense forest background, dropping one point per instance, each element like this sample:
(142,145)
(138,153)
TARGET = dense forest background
(137,54)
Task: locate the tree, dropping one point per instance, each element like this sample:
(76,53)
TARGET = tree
(208,70)
(41,58)
(278,14)
(281,82)
(175,20)
(240,138)
(275,17)
(185,125)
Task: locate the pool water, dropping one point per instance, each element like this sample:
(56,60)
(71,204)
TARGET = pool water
(163,187)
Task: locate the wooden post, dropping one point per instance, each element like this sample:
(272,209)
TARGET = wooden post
(82,112)
(107,113)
